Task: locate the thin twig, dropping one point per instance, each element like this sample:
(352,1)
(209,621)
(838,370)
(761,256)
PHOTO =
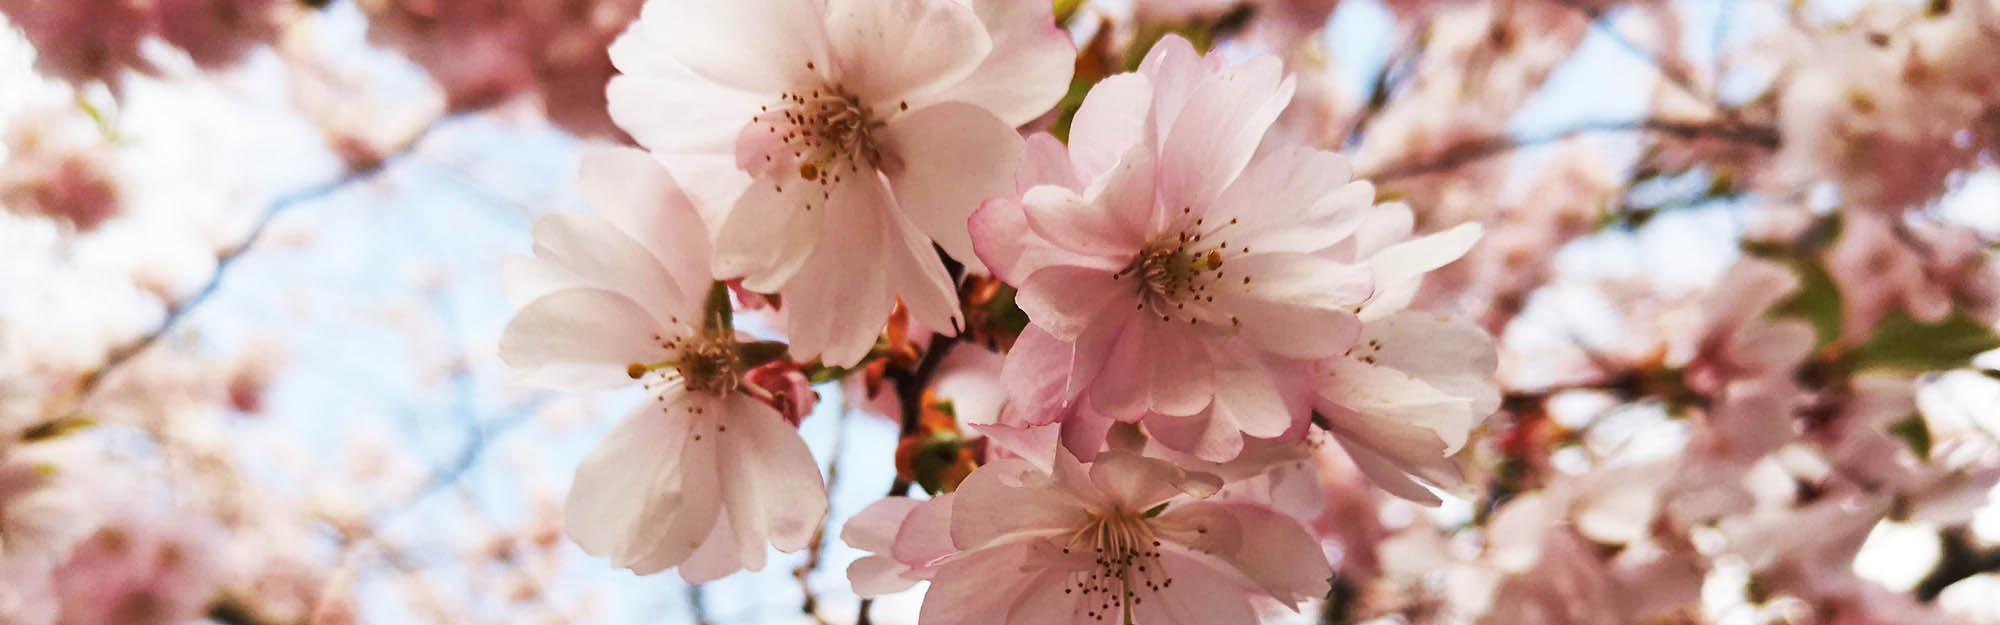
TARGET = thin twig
(1474,150)
(176,313)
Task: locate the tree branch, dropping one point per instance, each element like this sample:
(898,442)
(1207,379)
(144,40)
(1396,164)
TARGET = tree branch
(1473,150)
(177,313)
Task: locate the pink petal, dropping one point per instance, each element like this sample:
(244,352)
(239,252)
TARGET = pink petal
(924,537)
(1045,160)
(771,484)
(1136,483)
(1292,200)
(1248,395)
(1400,268)
(1064,300)
(891,50)
(993,506)
(1388,396)
(1219,130)
(918,277)
(939,192)
(719,555)
(1092,235)
(1199,596)
(1155,366)
(873,529)
(580,338)
(1272,550)
(1110,123)
(874,576)
(1173,68)
(688,122)
(524,278)
(1293,305)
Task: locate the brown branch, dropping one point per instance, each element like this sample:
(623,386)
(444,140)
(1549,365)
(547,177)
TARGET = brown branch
(177,312)
(1474,150)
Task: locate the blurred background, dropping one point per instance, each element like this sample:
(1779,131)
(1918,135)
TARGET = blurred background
(249,295)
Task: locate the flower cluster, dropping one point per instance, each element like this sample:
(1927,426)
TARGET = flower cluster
(1199,300)
(100,39)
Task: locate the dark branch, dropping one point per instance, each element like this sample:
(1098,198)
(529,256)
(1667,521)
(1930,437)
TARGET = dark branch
(177,312)
(1474,150)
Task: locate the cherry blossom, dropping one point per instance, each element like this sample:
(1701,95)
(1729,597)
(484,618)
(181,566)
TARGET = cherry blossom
(702,474)
(1122,539)
(1164,269)
(822,136)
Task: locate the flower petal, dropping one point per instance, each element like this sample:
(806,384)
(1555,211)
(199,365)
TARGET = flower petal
(775,227)
(1110,123)
(1199,596)
(1400,268)
(1006,501)
(1271,550)
(1293,305)
(1155,366)
(633,192)
(1292,200)
(760,46)
(1028,69)
(580,338)
(772,485)
(643,497)
(1219,130)
(890,50)
(951,157)
(591,248)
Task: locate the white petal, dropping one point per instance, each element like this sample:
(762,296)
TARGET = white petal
(1454,356)
(1136,483)
(1386,395)
(772,485)
(1400,268)
(1064,300)
(633,192)
(775,227)
(1028,69)
(873,529)
(754,45)
(951,157)
(580,338)
(524,278)
(591,248)
(642,497)
(890,50)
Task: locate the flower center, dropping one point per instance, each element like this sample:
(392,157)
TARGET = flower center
(705,364)
(1126,559)
(1173,271)
(825,134)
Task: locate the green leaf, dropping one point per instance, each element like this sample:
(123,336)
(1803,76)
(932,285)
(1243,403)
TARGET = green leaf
(1818,299)
(56,429)
(1156,510)
(1905,344)
(1916,434)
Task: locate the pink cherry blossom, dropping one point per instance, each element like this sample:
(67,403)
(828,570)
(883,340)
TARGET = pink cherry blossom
(1122,539)
(142,568)
(703,474)
(832,142)
(1167,273)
